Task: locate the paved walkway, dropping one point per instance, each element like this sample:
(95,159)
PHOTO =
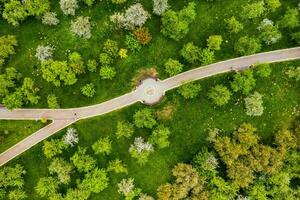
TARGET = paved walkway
(149,92)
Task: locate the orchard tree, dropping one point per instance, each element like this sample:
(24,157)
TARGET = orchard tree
(117,166)
(68,6)
(71,138)
(88,90)
(263,70)
(52,101)
(53,147)
(50,18)
(160,137)
(290,19)
(173,67)
(107,72)
(220,95)
(141,150)
(76,63)
(144,118)
(254,105)
(189,90)
(253,10)
(102,146)
(124,129)
(243,81)
(82,161)
(233,25)
(62,168)
(247,45)
(175,25)
(81,27)
(47,186)
(160,6)
(214,42)
(190,52)
(7,47)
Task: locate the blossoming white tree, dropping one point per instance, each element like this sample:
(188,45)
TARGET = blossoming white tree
(160,6)
(44,53)
(49,18)
(81,27)
(71,137)
(127,188)
(140,150)
(68,6)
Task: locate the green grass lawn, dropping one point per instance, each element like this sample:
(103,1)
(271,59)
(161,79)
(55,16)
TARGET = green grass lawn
(188,126)
(11,132)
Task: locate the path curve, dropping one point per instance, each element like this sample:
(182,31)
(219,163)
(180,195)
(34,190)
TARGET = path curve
(148,92)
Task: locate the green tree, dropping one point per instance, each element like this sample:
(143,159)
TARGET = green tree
(92,65)
(117,166)
(76,63)
(82,161)
(30,91)
(53,147)
(214,42)
(52,101)
(14,12)
(144,118)
(94,181)
(173,67)
(111,48)
(207,56)
(17,194)
(47,186)
(103,145)
(7,80)
(253,10)
(107,72)
(12,176)
(77,194)
(88,90)
(62,168)
(293,73)
(189,90)
(160,137)
(263,70)
(290,19)
(272,5)
(14,100)
(243,81)
(37,7)
(175,25)
(7,47)
(233,25)
(124,129)
(190,52)
(220,95)
(247,45)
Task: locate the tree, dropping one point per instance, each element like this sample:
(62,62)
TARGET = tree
(220,95)
(14,12)
(94,181)
(190,52)
(77,194)
(105,59)
(263,70)
(290,19)
(88,2)
(44,53)
(29,91)
(243,81)
(189,90)
(214,42)
(293,73)
(57,72)
(206,163)
(140,150)
(88,90)
(71,137)
(92,65)
(7,47)
(76,63)
(62,168)
(50,18)
(14,100)
(145,197)
(176,25)
(207,56)
(247,45)
(142,35)
(132,43)
(111,48)
(107,72)
(144,118)
(160,137)
(36,7)
(47,186)
(272,5)
(173,67)
(17,194)
(7,80)
(12,176)
(82,161)
(118,1)
(123,53)
(269,33)
(117,166)
(81,27)
(253,10)
(254,105)
(103,145)
(52,101)
(124,129)
(68,6)
(53,147)
(233,25)
(160,6)
(127,188)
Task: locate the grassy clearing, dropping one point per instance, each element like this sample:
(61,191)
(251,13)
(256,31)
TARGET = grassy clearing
(189,126)
(11,132)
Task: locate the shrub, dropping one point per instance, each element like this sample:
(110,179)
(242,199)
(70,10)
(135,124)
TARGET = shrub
(132,43)
(142,35)
(160,6)
(190,52)
(189,90)
(81,27)
(107,72)
(49,18)
(44,53)
(220,95)
(123,53)
(68,6)
(254,105)
(173,67)
(88,90)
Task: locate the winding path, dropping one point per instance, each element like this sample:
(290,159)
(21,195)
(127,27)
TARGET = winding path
(149,92)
